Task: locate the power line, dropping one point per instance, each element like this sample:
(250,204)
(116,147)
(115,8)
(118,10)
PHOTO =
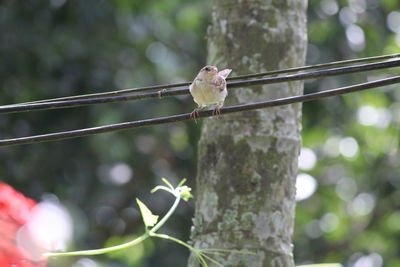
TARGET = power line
(247,76)
(318,66)
(175,92)
(202,114)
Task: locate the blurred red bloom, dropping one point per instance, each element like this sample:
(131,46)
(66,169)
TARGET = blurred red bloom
(15,211)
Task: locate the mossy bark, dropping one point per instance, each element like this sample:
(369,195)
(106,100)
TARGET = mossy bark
(245,193)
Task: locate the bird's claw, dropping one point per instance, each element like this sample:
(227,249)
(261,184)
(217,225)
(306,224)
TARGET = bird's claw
(217,112)
(195,115)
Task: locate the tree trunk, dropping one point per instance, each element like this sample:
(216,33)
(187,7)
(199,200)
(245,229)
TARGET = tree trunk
(245,193)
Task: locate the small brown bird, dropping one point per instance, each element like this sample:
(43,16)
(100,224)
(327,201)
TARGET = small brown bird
(209,87)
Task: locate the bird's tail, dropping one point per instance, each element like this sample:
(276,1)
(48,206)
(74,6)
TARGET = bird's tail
(224,73)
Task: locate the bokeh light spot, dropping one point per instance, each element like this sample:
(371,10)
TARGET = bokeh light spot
(348,147)
(393,21)
(313,229)
(367,115)
(329,222)
(358,6)
(85,262)
(347,16)
(307,159)
(371,116)
(346,188)
(156,52)
(120,173)
(362,205)
(355,37)
(371,260)
(50,228)
(329,7)
(331,146)
(305,186)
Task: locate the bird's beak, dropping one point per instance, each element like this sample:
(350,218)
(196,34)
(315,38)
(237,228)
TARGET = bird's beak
(214,70)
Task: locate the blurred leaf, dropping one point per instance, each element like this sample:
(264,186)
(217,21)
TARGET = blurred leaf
(148,218)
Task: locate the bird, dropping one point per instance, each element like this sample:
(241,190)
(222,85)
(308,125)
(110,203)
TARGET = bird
(209,87)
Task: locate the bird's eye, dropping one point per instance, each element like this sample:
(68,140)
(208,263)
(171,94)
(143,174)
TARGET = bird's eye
(207,69)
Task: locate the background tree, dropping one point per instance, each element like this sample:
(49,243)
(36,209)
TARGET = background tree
(57,48)
(245,190)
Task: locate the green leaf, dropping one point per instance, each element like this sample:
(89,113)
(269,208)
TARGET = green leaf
(149,218)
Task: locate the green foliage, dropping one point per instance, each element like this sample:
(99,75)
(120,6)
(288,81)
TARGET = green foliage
(345,220)
(61,48)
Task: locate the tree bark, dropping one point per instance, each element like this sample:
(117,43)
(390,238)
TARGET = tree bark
(245,192)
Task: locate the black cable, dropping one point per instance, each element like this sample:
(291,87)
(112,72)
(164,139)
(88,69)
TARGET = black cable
(202,114)
(317,66)
(175,92)
(181,84)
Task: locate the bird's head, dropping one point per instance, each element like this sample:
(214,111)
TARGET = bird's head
(208,71)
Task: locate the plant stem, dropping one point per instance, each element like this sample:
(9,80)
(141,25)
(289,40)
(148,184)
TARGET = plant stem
(169,213)
(175,240)
(102,250)
(136,241)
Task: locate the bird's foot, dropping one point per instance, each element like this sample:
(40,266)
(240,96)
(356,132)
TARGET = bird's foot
(217,112)
(195,114)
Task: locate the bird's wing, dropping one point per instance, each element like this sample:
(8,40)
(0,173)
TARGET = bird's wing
(219,82)
(224,73)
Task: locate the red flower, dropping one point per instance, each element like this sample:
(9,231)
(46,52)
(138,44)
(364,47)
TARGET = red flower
(15,211)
